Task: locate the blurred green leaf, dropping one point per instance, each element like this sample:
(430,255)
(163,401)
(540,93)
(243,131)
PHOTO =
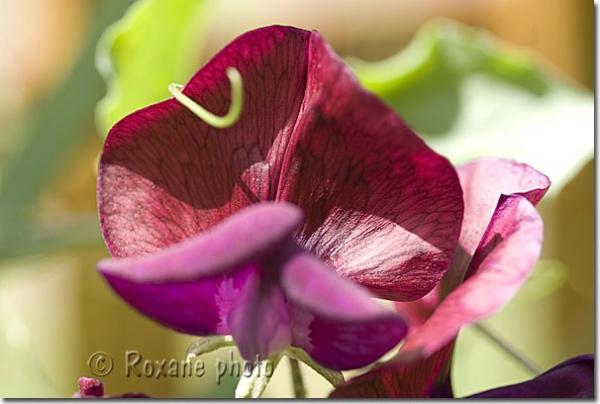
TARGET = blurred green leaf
(156,43)
(470,95)
(58,124)
(546,278)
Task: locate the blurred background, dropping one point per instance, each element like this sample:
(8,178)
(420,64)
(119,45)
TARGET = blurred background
(55,311)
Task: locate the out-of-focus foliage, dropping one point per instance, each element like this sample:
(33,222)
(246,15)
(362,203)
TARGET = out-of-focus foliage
(470,95)
(153,45)
(59,124)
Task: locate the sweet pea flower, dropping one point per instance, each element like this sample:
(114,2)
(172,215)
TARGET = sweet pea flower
(499,244)
(265,228)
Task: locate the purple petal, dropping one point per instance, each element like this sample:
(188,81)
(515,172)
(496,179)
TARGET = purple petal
(381,207)
(335,320)
(260,321)
(191,287)
(243,237)
(196,307)
(419,379)
(507,253)
(165,175)
(483,181)
(573,378)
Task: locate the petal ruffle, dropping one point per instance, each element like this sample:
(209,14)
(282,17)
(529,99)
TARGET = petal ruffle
(506,255)
(165,175)
(483,182)
(573,378)
(381,207)
(335,320)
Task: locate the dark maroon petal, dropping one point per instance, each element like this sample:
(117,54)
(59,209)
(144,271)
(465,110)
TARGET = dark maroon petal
(245,236)
(419,379)
(506,255)
(260,320)
(573,378)
(337,321)
(165,175)
(381,207)
(483,181)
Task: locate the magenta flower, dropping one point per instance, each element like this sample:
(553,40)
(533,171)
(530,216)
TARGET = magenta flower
(94,388)
(500,242)
(183,212)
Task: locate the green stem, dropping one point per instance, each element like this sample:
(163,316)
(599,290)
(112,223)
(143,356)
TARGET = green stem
(523,360)
(299,390)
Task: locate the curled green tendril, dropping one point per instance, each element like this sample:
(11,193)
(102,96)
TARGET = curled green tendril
(235,109)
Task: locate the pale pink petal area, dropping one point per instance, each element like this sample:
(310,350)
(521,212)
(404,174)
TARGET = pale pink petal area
(483,181)
(506,255)
(381,207)
(165,175)
(247,235)
(335,320)
(418,311)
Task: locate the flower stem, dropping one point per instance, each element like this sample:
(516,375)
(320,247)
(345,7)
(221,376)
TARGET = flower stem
(299,390)
(523,360)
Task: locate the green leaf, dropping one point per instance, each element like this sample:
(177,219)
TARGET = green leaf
(470,95)
(155,44)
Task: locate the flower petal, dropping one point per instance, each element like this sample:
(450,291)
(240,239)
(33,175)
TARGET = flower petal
(192,286)
(381,207)
(165,175)
(260,321)
(420,379)
(196,307)
(507,253)
(573,378)
(337,321)
(483,181)
(243,237)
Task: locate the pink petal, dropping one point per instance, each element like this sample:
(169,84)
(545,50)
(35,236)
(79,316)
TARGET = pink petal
(381,207)
(165,175)
(421,379)
(335,320)
(506,255)
(418,311)
(483,181)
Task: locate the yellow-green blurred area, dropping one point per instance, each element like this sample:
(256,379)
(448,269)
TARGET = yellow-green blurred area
(56,311)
